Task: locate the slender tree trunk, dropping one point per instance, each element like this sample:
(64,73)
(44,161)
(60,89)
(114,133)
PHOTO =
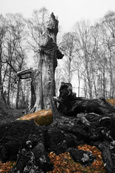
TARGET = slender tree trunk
(111,83)
(85,88)
(1,86)
(111,74)
(1,91)
(79,82)
(69,70)
(95,88)
(33,98)
(89,82)
(18,92)
(2,100)
(9,83)
(104,83)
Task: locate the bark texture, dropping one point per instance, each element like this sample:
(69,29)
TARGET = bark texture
(43,79)
(49,53)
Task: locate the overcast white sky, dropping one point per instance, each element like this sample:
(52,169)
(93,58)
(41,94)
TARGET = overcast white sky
(68,11)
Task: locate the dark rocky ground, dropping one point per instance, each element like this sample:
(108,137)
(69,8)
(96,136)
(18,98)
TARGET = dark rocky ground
(27,139)
(76,121)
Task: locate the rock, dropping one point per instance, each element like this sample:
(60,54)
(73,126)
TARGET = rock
(75,124)
(84,157)
(111,101)
(42,117)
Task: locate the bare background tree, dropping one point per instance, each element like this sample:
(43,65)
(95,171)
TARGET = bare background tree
(88,63)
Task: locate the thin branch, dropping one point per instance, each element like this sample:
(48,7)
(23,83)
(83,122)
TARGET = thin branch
(10,65)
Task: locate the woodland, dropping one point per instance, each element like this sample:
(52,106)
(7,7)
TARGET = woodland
(57,107)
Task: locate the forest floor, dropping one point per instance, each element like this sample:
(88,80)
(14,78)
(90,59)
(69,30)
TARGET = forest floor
(63,162)
(12,115)
(16,113)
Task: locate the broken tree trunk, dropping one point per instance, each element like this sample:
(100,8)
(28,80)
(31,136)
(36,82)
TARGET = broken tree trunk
(43,79)
(49,53)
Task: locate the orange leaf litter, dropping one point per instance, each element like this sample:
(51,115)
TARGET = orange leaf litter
(64,164)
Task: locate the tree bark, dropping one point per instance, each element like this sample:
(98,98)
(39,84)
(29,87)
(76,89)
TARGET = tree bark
(43,79)
(2,99)
(18,91)
(45,76)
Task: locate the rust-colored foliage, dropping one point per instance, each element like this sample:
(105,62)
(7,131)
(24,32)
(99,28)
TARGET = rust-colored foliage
(64,163)
(5,167)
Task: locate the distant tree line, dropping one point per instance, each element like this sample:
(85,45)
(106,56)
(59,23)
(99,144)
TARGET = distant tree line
(89,61)
(90,57)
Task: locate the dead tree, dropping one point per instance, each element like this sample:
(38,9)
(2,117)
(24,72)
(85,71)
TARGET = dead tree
(49,53)
(43,79)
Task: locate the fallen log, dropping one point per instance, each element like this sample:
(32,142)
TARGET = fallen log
(70,105)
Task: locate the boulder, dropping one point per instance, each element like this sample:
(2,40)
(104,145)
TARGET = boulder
(42,117)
